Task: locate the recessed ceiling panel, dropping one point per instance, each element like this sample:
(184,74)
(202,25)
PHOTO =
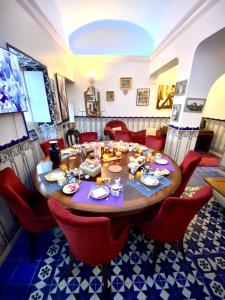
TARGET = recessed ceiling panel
(111,37)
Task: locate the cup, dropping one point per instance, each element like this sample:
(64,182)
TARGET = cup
(75,172)
(115,190)
(117,181)
(133,170)
(158,156)
(61,181)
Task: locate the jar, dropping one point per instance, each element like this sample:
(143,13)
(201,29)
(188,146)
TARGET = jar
(54,152)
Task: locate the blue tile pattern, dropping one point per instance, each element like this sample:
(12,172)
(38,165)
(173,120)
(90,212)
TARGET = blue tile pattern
(200,276)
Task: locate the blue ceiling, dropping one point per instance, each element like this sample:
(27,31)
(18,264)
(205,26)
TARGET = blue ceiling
(111,37)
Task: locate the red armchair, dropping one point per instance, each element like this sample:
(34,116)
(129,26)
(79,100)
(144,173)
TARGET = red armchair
(92,240)
(88,137)
(155,142)
(30,208)
(136,137)
(187,168)
(171,221)
(45,145)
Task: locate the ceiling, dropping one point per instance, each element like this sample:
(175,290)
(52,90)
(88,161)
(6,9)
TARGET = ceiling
(118,27)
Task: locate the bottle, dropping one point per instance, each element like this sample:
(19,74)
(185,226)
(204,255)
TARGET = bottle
(54,152)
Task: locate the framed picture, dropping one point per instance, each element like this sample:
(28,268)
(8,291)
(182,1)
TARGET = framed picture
(109,96)
(180,87)
(176,112)
(63,102)
(32,135)
(194,105)
(52,84)
(142,97)
(165,96)
(125,83)
(92,102)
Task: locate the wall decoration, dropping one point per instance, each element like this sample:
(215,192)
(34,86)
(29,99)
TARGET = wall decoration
(125,83)
(92,101)
(142,97)
(180,87)
(61,88)
(176,112)
(32,135)
(194,105)
(109,96)
(165,96)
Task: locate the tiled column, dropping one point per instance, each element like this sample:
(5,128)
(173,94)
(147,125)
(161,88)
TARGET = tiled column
(179,141)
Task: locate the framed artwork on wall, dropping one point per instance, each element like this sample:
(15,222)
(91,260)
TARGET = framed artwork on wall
(165,96)
(92,101)
(142,97)
(176,112)
(125,83)
(109,96)
(180,87)
(32,135)
(63,101)
(194,105)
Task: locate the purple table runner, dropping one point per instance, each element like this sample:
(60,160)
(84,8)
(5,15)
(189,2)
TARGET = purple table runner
(168,166)
(81,196)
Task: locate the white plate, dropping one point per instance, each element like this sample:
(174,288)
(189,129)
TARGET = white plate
(161,161)
(99,192)
(133,165)
(162,171)
(55,175)
(67,189)
(149,180)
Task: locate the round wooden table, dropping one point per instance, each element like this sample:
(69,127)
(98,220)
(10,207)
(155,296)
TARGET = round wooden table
(133,203)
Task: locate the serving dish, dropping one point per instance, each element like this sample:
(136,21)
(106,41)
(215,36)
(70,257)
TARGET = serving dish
(70,188)
(99,192)
(149,181)
(55,175)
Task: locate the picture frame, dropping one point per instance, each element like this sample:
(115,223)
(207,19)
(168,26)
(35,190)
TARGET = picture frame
(194,105)
(176,112)
(92,102)
(110,96)
(125,83)
(62,96)
(143,97)
(52,85)
(165,96)
(180,88)
(32,135)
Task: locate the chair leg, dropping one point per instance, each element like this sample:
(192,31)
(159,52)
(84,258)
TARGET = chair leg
(181,247)
(70,265)
(157,249)
(105,279)
(32,242)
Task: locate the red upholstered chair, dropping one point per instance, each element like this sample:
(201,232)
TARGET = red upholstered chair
(92,240)
(170,223)
(30,208)
(88,137)
(155,142)
(139,137)
(117,124)
(124,136)
(187,168)
(45,145)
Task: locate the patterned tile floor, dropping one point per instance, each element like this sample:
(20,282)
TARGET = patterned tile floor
(201,276)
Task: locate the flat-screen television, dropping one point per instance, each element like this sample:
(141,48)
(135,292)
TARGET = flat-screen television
(12,92)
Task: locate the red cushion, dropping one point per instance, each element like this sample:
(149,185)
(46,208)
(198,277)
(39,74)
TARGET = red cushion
(174,216)
(91,239)
(155,142)
(88,137)
(139,137)
(30,208)
(122,135)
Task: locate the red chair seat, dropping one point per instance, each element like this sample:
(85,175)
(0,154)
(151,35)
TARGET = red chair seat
(88,137)
(45,145)
(155,142)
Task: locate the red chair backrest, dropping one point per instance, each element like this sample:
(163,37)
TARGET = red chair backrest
(45,145)
(88,237)
(116,123)
(16,195)
(121,135)
(175,214)
(187,168)
(88,137)
(155,142)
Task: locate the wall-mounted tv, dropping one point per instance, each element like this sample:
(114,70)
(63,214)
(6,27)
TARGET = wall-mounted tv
(12,92)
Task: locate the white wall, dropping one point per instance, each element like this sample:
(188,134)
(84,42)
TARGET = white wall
(21,31)
(216,100)
(183,46)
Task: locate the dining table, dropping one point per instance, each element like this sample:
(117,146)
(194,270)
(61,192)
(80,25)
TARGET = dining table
(133,201)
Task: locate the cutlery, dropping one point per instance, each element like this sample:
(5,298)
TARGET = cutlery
(138,183)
